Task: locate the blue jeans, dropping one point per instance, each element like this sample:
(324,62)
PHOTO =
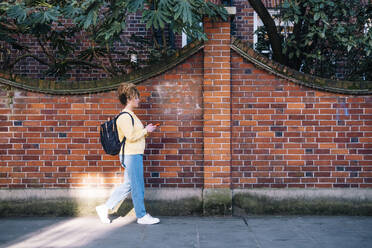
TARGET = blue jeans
(133,182)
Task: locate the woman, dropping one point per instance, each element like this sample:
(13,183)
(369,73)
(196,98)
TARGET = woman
(134,148)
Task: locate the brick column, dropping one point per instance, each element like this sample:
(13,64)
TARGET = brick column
(217,118)
(217,105)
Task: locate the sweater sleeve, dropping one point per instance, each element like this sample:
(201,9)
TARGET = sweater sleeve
(124,123)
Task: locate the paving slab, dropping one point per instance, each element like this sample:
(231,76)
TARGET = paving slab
(198,232)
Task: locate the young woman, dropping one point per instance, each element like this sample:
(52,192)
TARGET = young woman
(133,158)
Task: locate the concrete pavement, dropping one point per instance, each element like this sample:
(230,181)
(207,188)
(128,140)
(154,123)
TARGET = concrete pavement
(200,232)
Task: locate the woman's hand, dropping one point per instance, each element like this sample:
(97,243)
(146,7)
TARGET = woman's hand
(150,128)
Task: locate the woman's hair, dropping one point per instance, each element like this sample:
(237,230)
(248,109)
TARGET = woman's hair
(127,92)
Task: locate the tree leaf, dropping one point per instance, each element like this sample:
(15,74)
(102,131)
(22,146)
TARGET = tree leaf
(134,5)
(166,4)
(183,10)
(17,12)
(91,19)
(155,18)
(70,11)
(316,16)
(51,15)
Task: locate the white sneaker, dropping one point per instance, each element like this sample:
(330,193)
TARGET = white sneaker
(102,212)
(148,220)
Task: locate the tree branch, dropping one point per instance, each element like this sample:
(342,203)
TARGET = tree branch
(113,67)
(296,62)
(45,51)
(83,62)
(98,59)
(164,42)
(154,38)
(25,56)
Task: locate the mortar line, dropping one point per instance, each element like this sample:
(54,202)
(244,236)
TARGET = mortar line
(258,245)
(311,237)
(197,237)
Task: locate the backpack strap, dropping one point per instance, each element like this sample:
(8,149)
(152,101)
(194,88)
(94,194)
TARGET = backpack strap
(124,112)
(123,144)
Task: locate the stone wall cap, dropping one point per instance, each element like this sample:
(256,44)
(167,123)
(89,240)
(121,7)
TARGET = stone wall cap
(323,84)
(89,87)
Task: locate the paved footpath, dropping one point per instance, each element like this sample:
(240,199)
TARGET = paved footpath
(177,232)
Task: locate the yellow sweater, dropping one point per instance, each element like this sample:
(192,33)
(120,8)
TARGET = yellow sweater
(135,134)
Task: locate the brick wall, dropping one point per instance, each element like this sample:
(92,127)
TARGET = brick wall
(53,141)
(224,124)
(174,157)
(286,135)
(242,24)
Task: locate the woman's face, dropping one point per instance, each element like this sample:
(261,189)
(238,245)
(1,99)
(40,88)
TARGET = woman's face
(134,102)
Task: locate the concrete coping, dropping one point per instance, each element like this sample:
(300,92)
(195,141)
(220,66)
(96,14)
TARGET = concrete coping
(95,193)
(184,193)
(309,194)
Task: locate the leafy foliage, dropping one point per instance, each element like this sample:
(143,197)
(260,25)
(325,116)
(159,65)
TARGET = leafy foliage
(328,35)
(103,22)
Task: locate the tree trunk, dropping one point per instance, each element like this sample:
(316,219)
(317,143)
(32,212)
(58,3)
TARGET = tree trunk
(274,37)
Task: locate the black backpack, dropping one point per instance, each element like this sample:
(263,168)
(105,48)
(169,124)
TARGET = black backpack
(109,136)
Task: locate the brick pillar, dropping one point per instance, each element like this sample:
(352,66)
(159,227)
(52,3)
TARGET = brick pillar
(217,118)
